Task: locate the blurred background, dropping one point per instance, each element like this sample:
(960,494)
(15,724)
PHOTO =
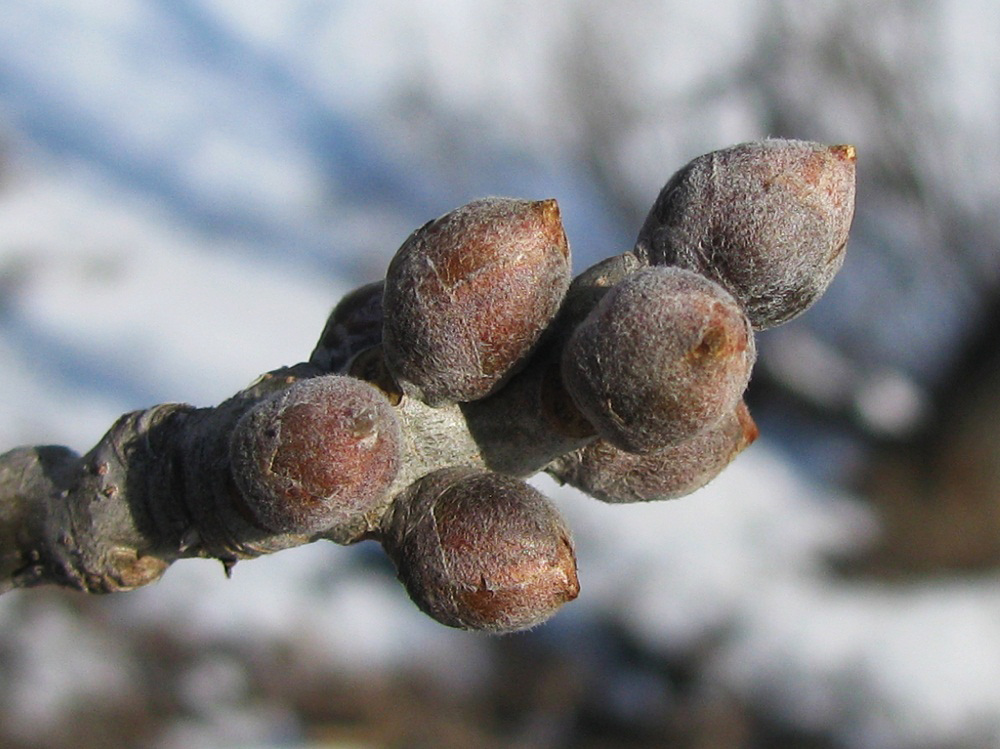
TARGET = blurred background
(188,186)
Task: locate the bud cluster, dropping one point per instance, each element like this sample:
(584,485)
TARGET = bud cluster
(740,239)
(628,383)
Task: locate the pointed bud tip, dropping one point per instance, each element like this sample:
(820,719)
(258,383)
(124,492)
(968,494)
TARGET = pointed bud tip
(750,429)
(549,208)
(846,152)
(567,563)
(548,212)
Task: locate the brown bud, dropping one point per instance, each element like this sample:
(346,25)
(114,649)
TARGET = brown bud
(479,550)
(664,355)
(318,454)
(768,220)
(354,325)
(612,475)
(468,295)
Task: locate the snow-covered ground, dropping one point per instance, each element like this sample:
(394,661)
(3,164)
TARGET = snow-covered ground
(187,187)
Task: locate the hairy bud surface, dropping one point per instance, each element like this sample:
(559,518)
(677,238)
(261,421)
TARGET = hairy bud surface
(468,296)
(664,355)
(612,475)
(479,550)
(768,220)
(322,452)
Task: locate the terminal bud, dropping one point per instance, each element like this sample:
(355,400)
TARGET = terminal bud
(767,220)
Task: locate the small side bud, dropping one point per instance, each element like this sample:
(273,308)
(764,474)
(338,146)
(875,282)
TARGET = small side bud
(468,295)
(354,325)
(612,475)
(664,355)
(321,453)
(479,550)
(767,220)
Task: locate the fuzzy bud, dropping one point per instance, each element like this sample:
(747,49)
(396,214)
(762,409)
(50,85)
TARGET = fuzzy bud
(354,325)
(767,220)
(480,550)
(612,475)
(664,355)
(319,454)
(468,295)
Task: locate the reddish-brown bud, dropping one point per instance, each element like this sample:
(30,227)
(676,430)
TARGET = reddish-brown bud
(664,355)
(479,550)
(321,453)
(612,475)
(768,220)
(468,295)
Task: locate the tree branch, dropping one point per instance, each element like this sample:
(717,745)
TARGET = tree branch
(626,383)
